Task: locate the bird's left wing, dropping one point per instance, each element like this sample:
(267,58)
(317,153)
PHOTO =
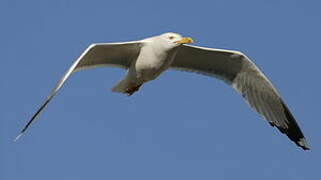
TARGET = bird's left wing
(96,55)
(245,77)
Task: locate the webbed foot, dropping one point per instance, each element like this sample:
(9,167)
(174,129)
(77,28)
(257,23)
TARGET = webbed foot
(130,90)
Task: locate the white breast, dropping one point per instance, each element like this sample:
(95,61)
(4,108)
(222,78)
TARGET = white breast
(151,62)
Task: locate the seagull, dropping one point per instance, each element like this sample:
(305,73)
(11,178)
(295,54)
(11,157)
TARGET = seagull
(146,59)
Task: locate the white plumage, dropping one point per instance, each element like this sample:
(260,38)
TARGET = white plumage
(148,58)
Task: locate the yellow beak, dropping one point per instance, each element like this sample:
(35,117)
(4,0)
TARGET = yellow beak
(185,40)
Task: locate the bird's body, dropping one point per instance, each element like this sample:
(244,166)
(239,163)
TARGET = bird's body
(153,59)
(146,59)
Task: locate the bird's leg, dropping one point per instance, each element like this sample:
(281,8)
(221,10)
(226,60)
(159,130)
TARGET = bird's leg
(130,90)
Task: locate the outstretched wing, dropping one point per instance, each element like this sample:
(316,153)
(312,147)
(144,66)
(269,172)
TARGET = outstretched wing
(96,55)
(245,77)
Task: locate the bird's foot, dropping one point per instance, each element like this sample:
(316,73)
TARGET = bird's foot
(130,90)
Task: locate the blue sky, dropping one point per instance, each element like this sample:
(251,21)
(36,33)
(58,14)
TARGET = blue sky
(180,126)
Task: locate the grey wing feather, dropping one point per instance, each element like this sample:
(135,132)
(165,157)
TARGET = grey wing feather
(96,55)
(245,77)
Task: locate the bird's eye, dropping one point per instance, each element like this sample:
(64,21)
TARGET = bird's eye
(171,37)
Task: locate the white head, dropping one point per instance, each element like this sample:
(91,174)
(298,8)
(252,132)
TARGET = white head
(171,40)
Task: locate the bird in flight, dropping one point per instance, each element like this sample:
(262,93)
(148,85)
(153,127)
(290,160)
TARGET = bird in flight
(146,59)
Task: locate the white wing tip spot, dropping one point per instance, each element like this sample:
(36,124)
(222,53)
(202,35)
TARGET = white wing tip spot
(302,142)
(18,137)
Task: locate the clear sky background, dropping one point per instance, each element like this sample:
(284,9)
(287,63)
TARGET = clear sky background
(180,126)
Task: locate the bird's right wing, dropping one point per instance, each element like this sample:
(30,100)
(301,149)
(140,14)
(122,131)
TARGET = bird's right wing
(96,55)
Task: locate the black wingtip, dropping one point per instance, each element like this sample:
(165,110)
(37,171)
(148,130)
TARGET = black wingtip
(293,131)
(33,118)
